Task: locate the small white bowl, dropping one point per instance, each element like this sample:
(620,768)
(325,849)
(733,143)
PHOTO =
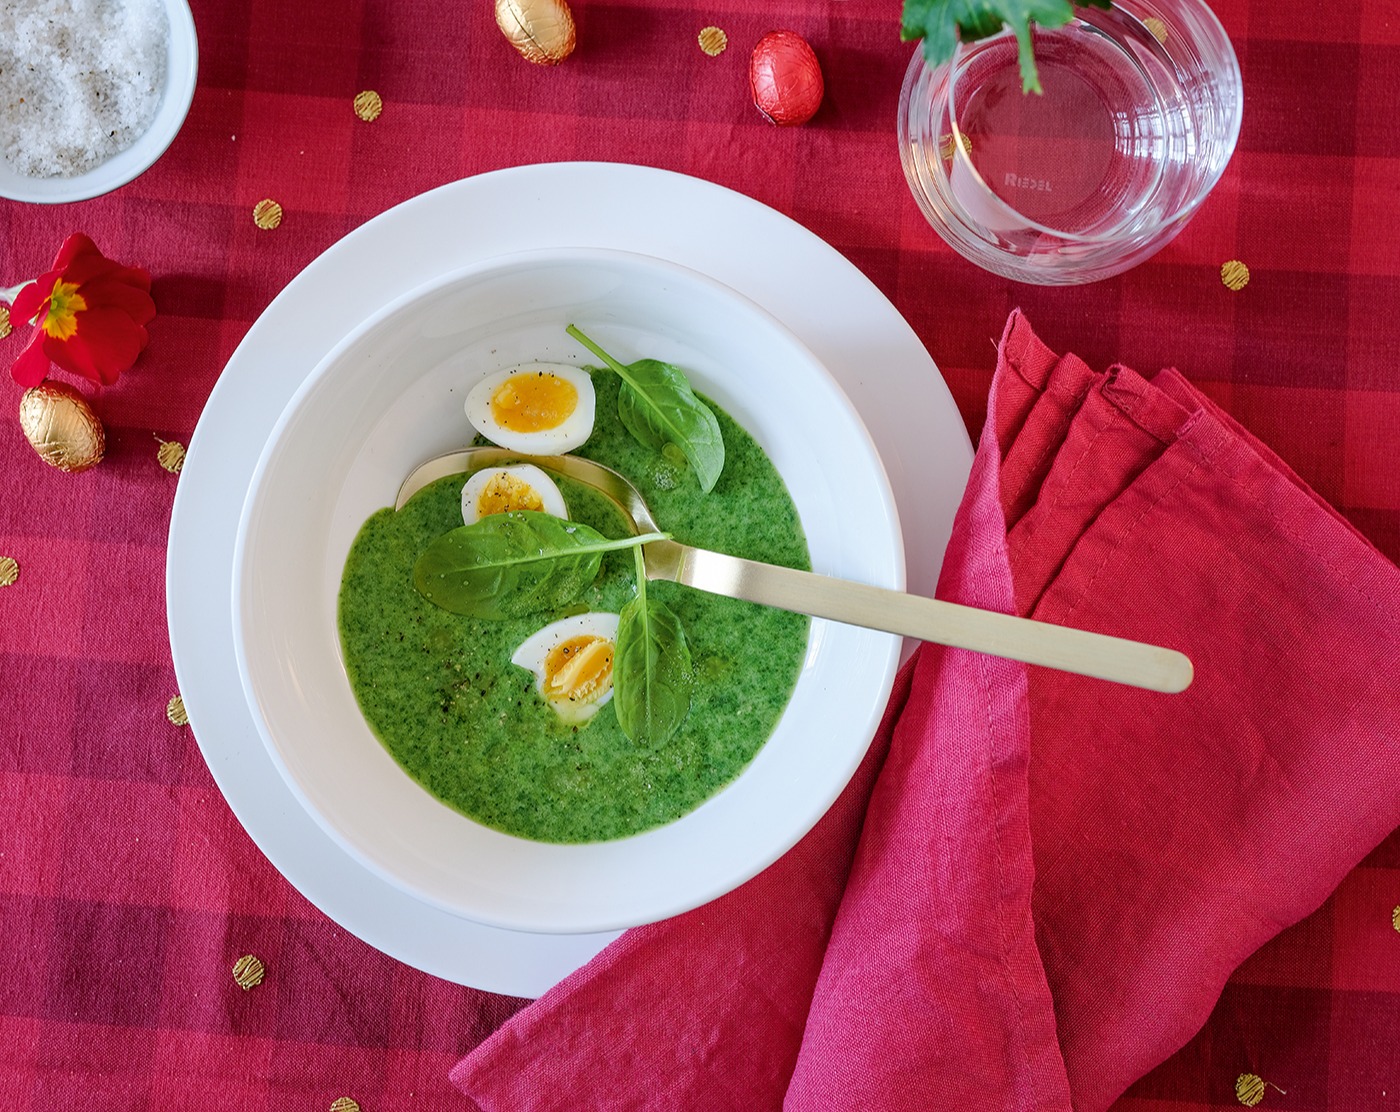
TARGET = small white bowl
(390,396)
(181,68)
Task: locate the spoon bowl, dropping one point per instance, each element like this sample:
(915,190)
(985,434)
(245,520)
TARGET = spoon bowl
(1072,650)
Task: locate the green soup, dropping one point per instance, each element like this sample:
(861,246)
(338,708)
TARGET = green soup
(441,694)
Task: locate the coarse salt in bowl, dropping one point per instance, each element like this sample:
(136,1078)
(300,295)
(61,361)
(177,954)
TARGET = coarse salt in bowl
(127,68)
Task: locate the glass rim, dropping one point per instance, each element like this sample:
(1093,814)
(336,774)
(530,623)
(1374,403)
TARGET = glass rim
(1211,25)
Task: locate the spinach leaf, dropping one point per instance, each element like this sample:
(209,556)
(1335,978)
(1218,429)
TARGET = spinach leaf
(940,23)
(511,564)
(658,407)
(652,676)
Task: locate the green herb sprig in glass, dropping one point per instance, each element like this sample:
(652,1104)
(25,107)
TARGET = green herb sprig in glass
(941,23)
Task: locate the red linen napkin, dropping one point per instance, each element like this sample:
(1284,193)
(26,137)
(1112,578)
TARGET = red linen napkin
(1036,886)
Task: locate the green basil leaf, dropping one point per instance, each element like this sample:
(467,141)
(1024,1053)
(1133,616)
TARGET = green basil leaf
(652,676)
(658,407)
(511,564)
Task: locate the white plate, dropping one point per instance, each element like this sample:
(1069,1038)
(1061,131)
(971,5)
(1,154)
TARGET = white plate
(806,284)
(388,397)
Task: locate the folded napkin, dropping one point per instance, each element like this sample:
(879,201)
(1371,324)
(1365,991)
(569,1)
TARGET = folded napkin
(1037,884)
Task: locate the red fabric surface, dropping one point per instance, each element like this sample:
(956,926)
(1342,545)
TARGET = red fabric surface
(127,889)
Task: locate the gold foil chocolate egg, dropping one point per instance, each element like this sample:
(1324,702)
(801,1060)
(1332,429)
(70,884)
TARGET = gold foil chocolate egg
(58,421)
(785,78)
(542,30)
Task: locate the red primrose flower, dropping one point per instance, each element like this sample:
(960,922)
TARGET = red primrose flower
(91,315)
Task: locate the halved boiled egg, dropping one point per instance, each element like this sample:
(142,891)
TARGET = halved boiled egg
(573,664)
(521,486)
(540,409)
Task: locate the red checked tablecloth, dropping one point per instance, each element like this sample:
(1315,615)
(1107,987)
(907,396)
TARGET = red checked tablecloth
(129,892)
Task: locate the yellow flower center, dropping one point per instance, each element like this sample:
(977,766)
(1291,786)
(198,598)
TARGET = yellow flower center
(65,303)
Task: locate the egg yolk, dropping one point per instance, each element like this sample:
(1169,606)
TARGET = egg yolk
(579,669)
(533,402)
(503,492)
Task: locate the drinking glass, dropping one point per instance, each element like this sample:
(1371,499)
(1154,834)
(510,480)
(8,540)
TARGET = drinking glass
(1139,115)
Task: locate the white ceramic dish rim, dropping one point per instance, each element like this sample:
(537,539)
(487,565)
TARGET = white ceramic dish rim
(638,874)
(181,72)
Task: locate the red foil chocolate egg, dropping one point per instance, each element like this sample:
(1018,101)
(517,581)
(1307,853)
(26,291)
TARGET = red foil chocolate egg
(785,78)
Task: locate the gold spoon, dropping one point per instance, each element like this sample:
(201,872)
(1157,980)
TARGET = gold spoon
(822,596)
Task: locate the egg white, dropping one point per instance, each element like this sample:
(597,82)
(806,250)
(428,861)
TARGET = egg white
(534,649)
(564,437)
(552,502)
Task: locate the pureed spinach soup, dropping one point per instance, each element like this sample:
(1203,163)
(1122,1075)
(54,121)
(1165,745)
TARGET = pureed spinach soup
(439,691)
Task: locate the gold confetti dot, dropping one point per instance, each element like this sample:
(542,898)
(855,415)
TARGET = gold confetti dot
(267,214)
(248,972)
(1249,1089)
(1235,275)
(713,41)
(175,711)
(1157,27)
(1394,915)
(4,322)
(170,455)
(345,1104)
(947,144)
(9,572)
(368,105)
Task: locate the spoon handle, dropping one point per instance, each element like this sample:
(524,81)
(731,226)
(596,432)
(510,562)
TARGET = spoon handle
(946,623)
